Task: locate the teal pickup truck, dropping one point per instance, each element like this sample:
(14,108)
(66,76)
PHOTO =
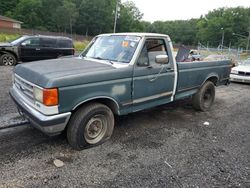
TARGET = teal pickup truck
(116,74)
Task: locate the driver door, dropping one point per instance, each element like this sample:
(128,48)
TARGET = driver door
(30,49)
(153,82)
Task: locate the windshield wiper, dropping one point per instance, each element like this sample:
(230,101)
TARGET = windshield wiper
(99,58)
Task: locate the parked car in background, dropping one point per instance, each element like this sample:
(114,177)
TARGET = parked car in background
(33,48)
(195,55)
(184,54)
(241,73)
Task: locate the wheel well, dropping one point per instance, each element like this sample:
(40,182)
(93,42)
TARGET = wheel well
(213,79)
(10,52)
(106,101)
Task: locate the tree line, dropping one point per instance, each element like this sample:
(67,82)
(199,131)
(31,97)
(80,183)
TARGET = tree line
(85,17)
(79,16)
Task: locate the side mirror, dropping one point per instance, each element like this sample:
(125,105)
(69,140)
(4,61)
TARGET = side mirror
(161,59)
(23,44)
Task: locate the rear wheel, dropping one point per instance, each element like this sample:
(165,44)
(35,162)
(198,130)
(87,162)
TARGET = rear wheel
(90,125)
(8,60)
(204,98)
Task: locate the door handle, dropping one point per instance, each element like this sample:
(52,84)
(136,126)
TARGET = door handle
(169,69)
(149,67)
(38,49)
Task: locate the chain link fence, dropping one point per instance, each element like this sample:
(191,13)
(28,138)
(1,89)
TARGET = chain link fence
(236,55)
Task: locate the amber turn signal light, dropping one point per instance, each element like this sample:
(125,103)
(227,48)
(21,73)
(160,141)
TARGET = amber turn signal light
(50,97)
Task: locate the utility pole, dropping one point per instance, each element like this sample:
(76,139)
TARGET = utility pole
(116,15)
(70,23)
(222,39)
(248,39)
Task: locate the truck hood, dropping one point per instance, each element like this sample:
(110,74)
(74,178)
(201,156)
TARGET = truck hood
(242,68)
(64,72)
(5,44)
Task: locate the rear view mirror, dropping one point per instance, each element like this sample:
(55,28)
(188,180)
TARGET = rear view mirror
(161,59)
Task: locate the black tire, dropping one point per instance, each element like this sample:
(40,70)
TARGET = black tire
(8,59)
(204,98)
(88,121)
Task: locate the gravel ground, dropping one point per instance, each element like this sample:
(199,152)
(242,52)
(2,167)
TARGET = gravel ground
(8,112)
(168,146)
(7,107)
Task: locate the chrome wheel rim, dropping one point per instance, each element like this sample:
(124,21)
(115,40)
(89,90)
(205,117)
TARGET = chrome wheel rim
(95,129)
(8,60)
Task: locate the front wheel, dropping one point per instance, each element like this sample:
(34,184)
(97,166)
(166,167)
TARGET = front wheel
(90,125)
(204,98)
(8,60)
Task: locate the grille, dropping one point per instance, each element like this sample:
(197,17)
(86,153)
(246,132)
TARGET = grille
(244,73)
(24,87)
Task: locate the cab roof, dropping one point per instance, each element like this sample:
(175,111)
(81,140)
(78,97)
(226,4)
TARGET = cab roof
(47,36)
(136,34)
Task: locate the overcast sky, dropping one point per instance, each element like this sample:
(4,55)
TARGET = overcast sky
(182,9)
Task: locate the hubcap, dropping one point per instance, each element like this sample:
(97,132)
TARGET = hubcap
(207,97)
(8,60)
(95,129)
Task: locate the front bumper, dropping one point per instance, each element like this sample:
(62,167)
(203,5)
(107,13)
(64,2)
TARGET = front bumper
(239,78)
(50,125)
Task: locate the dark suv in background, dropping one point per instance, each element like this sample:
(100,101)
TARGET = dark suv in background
(32,48)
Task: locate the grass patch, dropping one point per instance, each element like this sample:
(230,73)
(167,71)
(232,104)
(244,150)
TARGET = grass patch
(8,37)
(80,45)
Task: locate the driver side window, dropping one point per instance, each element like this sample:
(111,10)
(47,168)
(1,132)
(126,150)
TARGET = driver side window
(151,49)
(33,42)
(143,58)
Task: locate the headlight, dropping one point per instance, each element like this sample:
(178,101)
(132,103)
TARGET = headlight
(38,94)
(234,71)
(48,97)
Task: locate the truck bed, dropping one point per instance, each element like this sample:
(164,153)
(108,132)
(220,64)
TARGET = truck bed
(191,75)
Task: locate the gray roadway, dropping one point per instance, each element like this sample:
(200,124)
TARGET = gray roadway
(168,146)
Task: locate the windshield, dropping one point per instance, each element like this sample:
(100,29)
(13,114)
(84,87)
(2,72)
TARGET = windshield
(113,48)
(17,41)
(246,62)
